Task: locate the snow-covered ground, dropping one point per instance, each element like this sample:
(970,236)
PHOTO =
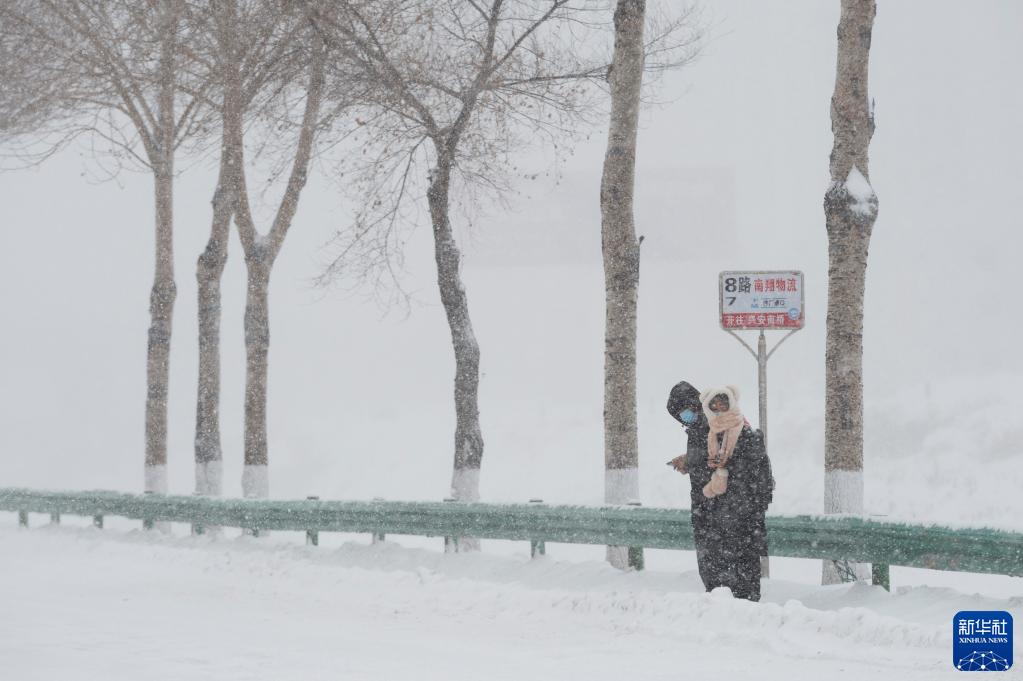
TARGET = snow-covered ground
(82,604)
(731,174)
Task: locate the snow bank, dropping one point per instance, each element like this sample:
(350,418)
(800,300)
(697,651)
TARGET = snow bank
(194,607)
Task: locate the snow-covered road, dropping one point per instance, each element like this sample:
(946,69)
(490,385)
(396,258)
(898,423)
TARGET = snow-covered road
(80,604)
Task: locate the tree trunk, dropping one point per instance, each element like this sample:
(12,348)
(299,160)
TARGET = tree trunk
(161,312)
(261,252)
(164,291)
(850,208)
(209,270)
(621,264)
(468,437)
(255,477)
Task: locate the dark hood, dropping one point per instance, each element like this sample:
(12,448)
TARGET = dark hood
(684,396)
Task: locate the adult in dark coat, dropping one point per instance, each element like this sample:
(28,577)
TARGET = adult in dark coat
(728,528)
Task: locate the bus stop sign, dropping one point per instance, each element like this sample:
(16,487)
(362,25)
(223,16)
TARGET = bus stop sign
(761,300)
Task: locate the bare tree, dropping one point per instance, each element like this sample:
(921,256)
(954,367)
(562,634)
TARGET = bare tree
(461,86)
(261,249)
(621,263)
(248,52)
(850,209)
(453,76)
(112,70)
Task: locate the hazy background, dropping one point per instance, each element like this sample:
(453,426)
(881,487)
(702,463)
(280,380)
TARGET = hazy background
(732,173)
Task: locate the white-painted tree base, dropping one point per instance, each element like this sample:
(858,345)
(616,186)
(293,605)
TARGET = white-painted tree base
(156,479)
(465,487)
(465,484)
(838,572)
(209,480)
(618,556)
(461,544)
(621,486)
(156,483)
(843,493)
(255,482)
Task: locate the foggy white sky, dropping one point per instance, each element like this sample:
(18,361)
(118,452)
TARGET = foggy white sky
(731,175)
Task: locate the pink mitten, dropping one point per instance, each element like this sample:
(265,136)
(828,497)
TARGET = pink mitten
(718,483)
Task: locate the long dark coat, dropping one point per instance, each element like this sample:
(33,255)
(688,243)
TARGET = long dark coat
(739,512)
(730,529)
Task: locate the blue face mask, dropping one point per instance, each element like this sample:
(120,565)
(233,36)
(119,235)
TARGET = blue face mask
(688,417)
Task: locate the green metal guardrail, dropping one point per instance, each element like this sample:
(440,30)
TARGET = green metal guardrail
(835,538)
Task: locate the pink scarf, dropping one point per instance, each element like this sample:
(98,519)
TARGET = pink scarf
(725,429)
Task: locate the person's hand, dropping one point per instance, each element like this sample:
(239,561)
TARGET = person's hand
(679,464)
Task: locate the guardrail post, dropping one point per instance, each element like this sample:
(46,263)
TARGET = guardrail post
(23,518)
(537,547)
(880,575)
(97,521)
(55,518)
(312,537)
(378,537)
(635,555)
(147,523)
(197,528)
(450,543)
(250,532)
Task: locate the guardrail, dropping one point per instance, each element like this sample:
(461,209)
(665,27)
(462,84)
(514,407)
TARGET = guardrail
(835,538)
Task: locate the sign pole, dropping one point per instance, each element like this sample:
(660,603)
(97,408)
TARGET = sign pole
(762,383)
(765,561)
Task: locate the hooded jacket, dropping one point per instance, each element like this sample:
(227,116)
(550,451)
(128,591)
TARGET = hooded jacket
(738,514)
